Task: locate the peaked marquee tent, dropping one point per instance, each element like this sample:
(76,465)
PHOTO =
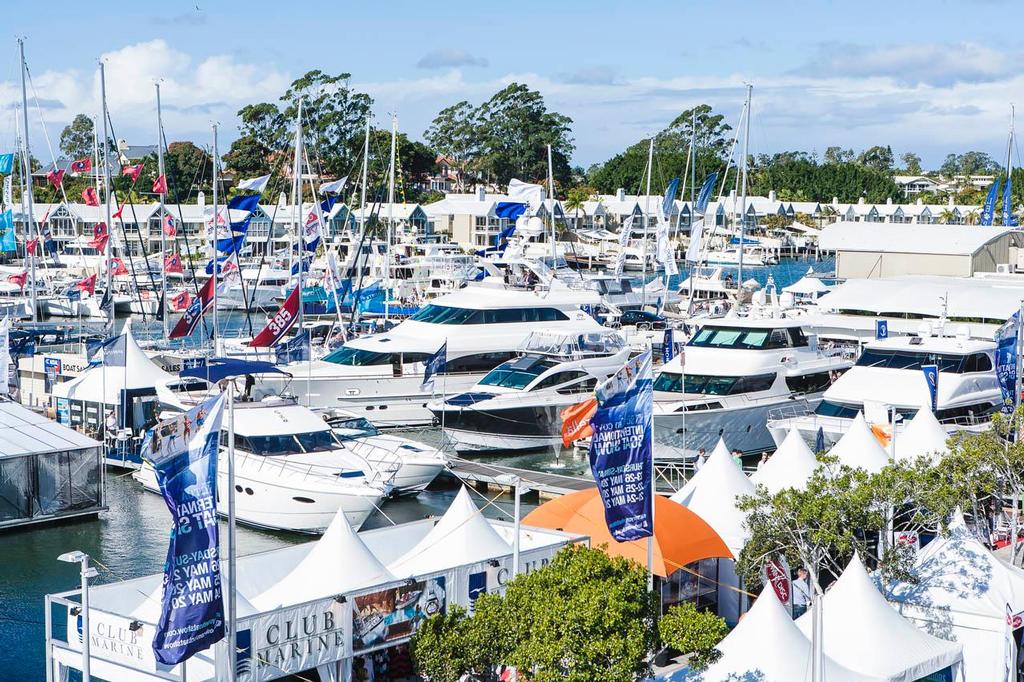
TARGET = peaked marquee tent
(790,467)
(859,449)
(923,436)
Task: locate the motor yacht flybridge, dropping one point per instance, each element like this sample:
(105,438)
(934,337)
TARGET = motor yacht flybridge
(517,405)
(380,376)
(733,373)
(888,375)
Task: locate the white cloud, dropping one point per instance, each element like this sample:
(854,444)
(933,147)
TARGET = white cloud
(447,58)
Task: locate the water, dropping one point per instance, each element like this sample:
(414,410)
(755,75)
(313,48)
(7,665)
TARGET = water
(130,539)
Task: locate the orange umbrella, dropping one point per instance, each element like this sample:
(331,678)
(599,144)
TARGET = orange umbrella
(680,536)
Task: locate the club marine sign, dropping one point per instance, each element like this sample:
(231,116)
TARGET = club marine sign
(291,640)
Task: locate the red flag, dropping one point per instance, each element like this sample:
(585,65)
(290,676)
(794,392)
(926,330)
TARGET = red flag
(181,301)
(20,279)
(194,312)
(172,264)
(118,212)
(280,323)
(55,177)
(30,246)
(576,421)
(90,197)
(88,284)
(99,237)
(169,229)
(81,165)
(132,171)
(117,267)
(160,185)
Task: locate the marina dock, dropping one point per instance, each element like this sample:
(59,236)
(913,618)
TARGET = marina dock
(486,476)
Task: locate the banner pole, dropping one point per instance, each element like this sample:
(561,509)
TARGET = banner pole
(649,435)
(231,535)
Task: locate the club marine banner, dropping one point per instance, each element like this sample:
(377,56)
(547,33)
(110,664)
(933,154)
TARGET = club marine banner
(931,376)
(621,449)
(183,451)
(1006,362)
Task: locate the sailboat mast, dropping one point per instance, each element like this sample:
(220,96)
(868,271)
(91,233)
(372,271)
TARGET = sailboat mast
(391,217)
(216,261)
(693,190)
(163,201)
(743,194)
(551,188)
(297,202)
(106,186)
(646,218)
(362,199)
(30,231)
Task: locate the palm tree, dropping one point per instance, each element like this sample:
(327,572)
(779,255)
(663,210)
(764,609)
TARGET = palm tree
(575,199)
(972,218)
(947,216)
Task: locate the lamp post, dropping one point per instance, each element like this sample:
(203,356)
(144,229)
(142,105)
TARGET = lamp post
(77,557)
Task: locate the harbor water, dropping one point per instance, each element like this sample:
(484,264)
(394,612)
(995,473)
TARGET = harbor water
(130,538)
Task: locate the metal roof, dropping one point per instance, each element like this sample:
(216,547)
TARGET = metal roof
(23,432)
(953,240)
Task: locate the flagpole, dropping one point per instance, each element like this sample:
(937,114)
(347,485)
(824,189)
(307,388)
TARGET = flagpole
(391,219)
(216,262)
(551,186)
(743,195)
(362,201)
(647,214)
(232,591)
(297,200)
(28,181)
(106,188)
(162,307)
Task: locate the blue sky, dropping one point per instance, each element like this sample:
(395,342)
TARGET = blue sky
(929,77)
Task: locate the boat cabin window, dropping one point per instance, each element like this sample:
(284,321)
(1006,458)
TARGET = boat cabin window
(809,383)
(356,427)
(909,359)
(966,415)
(285,443)
(477,362)
(830,409)
(558,378)
(357,357)
(440,314)
(745,339)
(713,385)
(517,373)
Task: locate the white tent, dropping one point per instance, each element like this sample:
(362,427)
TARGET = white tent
(461,536)
(338,562)
(858,448)
(767,646)
(922,436)
(864,633)
(790,467)
(104,383)
(808,286)
(963,594)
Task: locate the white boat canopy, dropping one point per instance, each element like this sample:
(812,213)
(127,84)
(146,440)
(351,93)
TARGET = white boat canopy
(864,633)
(923,436)
(790,467)
(859,449)
(807,286)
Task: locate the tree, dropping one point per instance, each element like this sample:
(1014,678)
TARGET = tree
(693,632)
(911,163)
(453,133)
(793,174)
(877,157)
(838,155)
(583,617)
(77,137)
(968,163)
(575,198)
(189,170)
(439,647)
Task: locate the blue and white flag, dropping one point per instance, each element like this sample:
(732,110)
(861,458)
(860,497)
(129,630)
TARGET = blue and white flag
(295,349)
(115,351)
(8,240)
(819,440)
(988,210)
(6,164)
(621,449)
(435,364)
(668,201)
(705,193)
(931,376)
(335,187)
(183,452)
(244,202)
(1006,362)
(1009,219)
(254,184)
(668,346)
(881,329)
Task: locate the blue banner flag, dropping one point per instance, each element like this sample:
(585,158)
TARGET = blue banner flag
(931,375)
(668,346)
(435,364)
(621,449)
(819,441)
(295,349)
(244,202)
(114,350)
(881,329)
(668,201)
(988,211)
(183,451)
(1009,219)
(6,164)
(7,218)
(1006,362)
(705,193)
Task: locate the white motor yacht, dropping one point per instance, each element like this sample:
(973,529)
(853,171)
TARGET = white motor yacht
(292,472)
(517,405)
(733,373)
(380,376)
(888,375)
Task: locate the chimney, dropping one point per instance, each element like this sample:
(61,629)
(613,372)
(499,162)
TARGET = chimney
(888,201)
(860,201)
(920,201)
(771,195)
(950,199)
(481,194)
(835,201)
(201,201)
(282,200)
(620,194)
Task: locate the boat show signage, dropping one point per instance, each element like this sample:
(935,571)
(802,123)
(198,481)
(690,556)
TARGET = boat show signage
(1006,362)
(183,452)
(931,375)
(621,449)
(291,640)
(384,616)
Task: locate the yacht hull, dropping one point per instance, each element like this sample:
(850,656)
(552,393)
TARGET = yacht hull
(498,429)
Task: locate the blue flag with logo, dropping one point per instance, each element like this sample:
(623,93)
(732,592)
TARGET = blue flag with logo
(183,452)
(435,364)
(114,350)
(295,349)
(705,192)
(881,329)
(819,440)
(1009,219)
(1006,362)
(931,375)
(988,211)
(6,164)
(668,346)
(621,449)
(7,238)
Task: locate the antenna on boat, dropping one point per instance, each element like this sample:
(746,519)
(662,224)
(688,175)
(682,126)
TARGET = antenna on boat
(743,194)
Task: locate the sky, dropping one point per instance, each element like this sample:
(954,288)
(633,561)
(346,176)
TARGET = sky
(929,77)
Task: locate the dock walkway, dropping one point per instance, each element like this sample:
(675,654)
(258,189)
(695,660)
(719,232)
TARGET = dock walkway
(498,476)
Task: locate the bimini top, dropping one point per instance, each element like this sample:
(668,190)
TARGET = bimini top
(947,240)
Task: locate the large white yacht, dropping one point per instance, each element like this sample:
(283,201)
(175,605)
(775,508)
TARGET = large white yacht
(736,370)
(888,375)
(380,376)
(517,405)
(292,471)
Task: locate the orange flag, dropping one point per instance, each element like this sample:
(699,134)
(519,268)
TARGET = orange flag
(576,421)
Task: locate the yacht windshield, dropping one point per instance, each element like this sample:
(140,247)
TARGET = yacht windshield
(908,359)
(357,357)
(747,339)
(516,373)
(357,427)
(442,314)
(288,443)
(671,382)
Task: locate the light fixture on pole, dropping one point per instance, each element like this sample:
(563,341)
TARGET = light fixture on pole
(516,484)
(77,557)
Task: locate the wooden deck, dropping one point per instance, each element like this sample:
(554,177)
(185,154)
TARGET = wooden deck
(487,476)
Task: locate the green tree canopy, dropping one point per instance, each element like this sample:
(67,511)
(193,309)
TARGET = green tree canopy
(795,175)
(453,133)
(877,157)
(911,163)
(76,138)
